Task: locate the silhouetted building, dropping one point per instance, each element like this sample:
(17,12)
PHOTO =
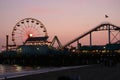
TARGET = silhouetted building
(35,45)
(36,41)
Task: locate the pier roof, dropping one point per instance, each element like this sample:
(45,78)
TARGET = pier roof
(37,39)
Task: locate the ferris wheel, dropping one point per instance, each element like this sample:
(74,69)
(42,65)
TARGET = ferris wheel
(28,27)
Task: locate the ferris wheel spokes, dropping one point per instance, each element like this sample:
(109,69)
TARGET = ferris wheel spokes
(27,27)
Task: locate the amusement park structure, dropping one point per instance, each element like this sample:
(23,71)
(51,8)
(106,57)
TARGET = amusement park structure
(27,28)
(29,35)
(32,32)
(31,46)
(102,27)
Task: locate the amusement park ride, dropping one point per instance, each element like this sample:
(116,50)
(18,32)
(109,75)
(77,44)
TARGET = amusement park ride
(28,28)
(32,47)
(32,32)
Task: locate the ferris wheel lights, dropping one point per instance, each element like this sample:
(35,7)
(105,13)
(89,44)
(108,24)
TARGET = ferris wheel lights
(27,21)
(22,22)
(15,29)
(44,31)
(32,21)
(12,34)
(37,23)
(12,39)
(18,25)
(41,26)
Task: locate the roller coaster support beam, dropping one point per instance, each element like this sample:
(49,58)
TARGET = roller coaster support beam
(102,27)
(90,38)
(7,37)
(109,38)
(58,41)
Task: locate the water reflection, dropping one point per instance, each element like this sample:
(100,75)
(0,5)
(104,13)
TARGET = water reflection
(13,68)
(18,68)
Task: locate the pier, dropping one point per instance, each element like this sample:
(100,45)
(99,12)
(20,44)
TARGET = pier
(36,50)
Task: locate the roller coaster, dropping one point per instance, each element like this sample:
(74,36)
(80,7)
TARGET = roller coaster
(102,27)
(29,28)
(35,49)
(113,38)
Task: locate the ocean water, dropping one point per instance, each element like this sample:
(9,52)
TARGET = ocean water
(12,71)
(14,68)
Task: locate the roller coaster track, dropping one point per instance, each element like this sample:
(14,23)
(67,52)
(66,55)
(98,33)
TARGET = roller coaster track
(101,27)
(58,42)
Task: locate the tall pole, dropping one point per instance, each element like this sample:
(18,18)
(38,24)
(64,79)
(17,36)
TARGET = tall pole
(109,42)
(90,39)
(78,45)
(7,42)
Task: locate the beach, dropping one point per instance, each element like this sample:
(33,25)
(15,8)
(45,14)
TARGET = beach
(91,72)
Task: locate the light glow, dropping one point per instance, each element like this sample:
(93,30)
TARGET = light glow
(30,35)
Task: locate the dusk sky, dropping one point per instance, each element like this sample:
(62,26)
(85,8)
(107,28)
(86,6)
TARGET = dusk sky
(65,18)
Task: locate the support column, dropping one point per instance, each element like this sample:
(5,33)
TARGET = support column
(78,45)
(7,42)
(109,38)
(90,38)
